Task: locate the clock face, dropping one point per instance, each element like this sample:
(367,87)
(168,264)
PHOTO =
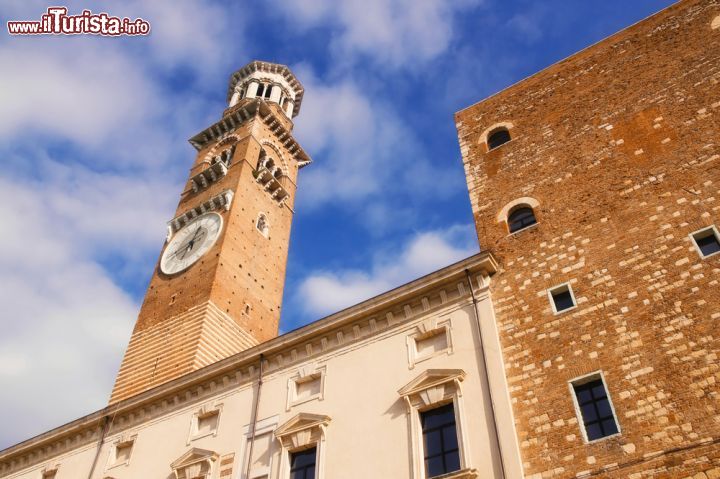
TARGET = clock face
(190,243)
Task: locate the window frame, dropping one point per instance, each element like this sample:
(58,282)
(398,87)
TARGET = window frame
(712,229)
(305,374)
(425,330)
(120,441)
(204,411)
(552,299)
(496,131)
(515,209)
(303,431)
(265,233)
(434,388)
(444,452)
(584,379)
(300,451)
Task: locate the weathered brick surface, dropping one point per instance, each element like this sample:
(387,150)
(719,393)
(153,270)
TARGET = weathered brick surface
(619,145)
(244,268)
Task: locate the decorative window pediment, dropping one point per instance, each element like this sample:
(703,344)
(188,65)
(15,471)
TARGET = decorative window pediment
(194,464)
(433,386)
(302,433)
(302,430)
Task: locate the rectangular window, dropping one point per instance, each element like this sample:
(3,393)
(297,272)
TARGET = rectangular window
(302,464)
(434,342)
(122,452)
(207,423)
(440,442)
(308,388)
(594,405)
(707,241)
(562,298)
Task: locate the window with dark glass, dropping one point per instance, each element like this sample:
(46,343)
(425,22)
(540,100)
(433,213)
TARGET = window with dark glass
(521,218)
(594,404)
(497,138)
(442,454)
(302,464)
(268,91)
(562,298)
(260,89)
(707,242)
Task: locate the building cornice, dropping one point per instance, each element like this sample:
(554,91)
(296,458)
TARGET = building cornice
(431,294)
(256,108)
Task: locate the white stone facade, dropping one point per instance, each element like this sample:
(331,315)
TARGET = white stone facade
(346,385)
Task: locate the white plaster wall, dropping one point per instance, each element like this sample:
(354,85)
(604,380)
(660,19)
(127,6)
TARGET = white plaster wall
(367,436)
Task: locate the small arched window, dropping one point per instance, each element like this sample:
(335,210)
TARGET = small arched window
(263,225)
(497,138)
(260,89)
(268,91)
(521,218)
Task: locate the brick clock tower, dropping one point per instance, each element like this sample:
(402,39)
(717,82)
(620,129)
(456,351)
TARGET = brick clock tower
(217,288)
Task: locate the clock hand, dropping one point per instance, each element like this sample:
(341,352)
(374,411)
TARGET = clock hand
(180,249)
(191,244)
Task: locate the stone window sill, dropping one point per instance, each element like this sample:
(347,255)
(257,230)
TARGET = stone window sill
(461,474)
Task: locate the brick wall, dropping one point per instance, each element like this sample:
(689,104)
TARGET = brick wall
(230,298)
(619,145)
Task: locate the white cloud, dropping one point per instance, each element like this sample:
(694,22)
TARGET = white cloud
(368,150)
(103,93)
(101,197)
(83,95)
(324,292)
(65,323)
(395,33)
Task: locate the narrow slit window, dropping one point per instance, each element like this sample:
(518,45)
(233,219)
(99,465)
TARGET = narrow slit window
(268,91)
(302,464)
(521,218)
(562,298)
(498,138)
(707,241)
(260,89)
(440,441)
(594,405)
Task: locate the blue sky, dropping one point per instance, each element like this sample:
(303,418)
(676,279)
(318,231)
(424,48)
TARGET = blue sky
(94,152)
